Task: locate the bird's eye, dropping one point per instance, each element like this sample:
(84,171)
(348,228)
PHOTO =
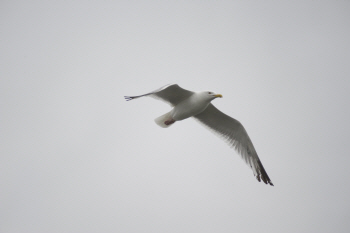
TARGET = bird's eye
(210,93)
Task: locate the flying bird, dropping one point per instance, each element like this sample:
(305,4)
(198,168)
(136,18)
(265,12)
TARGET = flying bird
(198,105)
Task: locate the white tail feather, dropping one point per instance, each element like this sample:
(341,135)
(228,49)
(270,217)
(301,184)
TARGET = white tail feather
(164,118)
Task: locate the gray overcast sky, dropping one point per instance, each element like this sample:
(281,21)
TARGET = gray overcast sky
(76,157)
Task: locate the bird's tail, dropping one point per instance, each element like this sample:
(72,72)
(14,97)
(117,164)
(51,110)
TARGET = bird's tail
(165,120)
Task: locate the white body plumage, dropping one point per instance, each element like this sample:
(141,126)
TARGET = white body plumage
(192,106)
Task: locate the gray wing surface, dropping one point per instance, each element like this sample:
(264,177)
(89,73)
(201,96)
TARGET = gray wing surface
(172,94)
(233,132)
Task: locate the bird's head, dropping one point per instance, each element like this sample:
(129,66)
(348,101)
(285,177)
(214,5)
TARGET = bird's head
(210,95)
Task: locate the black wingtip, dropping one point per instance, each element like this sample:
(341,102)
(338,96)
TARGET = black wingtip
(128,98)
(263,175)
(266,180)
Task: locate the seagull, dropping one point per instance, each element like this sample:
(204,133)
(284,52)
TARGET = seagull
(198,105)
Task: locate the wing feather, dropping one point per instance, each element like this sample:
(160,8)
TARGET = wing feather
(233,132)
(171,93)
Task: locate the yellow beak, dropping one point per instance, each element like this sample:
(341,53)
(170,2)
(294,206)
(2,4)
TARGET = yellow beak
(218,95)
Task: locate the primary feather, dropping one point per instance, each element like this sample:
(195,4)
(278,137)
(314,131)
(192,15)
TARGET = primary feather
(171,93)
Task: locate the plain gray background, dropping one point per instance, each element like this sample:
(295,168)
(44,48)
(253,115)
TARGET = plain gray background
(76,157)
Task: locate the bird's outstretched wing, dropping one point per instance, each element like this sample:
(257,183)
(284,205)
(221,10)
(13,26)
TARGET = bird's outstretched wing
(236,136)
(171,93)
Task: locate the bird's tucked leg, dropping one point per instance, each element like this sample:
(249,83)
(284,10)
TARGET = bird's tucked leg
(169,122)
(165,120)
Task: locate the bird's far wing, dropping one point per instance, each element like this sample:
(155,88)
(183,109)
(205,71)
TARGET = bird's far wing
(236,136)
(172,94)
